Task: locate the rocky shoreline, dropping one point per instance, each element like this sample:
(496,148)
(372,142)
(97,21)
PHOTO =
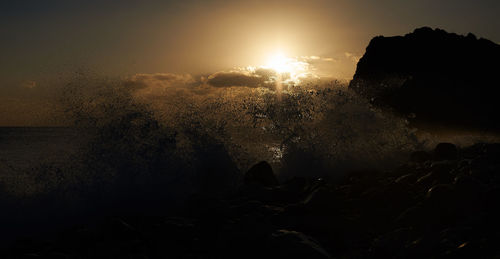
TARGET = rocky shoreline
(439,204)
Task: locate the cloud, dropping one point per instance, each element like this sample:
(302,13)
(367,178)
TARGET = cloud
(156,85)
(240,78)
(265,73)
(305,68)
(162,79)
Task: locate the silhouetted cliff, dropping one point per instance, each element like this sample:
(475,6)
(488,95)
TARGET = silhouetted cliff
(433,77)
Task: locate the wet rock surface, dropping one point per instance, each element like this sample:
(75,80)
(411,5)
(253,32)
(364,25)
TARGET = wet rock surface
(440,204)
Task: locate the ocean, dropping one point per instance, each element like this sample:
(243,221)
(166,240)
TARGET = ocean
(24,147)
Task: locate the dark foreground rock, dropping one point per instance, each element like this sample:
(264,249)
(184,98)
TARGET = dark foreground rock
(445,151)
(441,204)
(261,173)
(436,79)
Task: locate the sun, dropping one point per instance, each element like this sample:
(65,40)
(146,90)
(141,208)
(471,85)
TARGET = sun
(279,63)
(293,68)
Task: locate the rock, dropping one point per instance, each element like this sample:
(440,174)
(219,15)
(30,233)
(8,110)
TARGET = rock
(484,172)
(436,177)
(173,237)
(492,152)
(470,193)
(468,184)
(262,174)
(296,185)
(120,229)
(217,171)
(445,166)
(254,208)
(178,229)
(491,203)
(440,173)
(434,78)
(295,189)
(445,151)
(415,216)
(473,151)
(426,179)
(422,247)
(375,208)
(268,195)
(443,203)
(392,244)
(420,157)
(406,179)
(292,244)
(320,199)
(441,194)
(467,250)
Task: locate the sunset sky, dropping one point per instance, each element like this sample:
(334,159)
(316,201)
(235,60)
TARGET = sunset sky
(40,40)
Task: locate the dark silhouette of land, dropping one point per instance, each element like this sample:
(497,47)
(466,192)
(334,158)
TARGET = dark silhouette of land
(437,79)
(439,204)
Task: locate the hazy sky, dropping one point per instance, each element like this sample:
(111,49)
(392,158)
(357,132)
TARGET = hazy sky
(42,39)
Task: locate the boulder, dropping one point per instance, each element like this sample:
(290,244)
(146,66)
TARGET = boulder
(406,179)
(294,189)
(443,203)
(391,244)
(492,152)
(293,244)
(261,174)
(321,199)
(441,194)
(296,185)
(420,157)
(415,216)
(445,151)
